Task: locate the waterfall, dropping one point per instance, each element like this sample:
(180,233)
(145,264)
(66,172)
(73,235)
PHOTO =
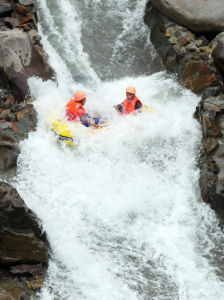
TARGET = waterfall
(122,210)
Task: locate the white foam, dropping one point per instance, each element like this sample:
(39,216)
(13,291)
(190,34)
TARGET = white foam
(124,200)
(122,211)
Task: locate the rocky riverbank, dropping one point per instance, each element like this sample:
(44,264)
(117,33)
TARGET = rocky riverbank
(192,46)
(24,249)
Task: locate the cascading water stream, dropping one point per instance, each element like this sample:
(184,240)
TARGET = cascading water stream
(122,211)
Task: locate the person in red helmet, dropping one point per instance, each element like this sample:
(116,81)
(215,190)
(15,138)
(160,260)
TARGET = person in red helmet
(75,111)
(131,103)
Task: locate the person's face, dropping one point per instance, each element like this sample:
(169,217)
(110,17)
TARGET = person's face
(129,96)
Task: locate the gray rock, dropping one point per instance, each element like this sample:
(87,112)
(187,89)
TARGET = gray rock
(9,151)
(15,50)
(4,295)
(20,60)
(5,10)
(4,125)
(34,36)
(27,269)
(212,167)
(11,22)
(27,2)
(216,39)
(197,15)
(22,239)
(195,69)
(26,121)
(218,55)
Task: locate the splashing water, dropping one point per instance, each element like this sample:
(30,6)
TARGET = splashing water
(122,210)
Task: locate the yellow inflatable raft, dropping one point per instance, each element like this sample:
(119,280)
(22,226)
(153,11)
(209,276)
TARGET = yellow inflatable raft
(68,132)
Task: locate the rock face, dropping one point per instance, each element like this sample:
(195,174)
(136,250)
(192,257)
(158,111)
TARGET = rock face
(211,116)
(19,60)
(9,151)
(13,289)
(21,238)
(183,53)
(23,245)
(5,10)
(26,2)
(197,15)
(17,120)
(218,54)
(200,67)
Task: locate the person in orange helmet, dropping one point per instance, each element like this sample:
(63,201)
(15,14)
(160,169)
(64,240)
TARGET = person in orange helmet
(75,111)
(130,104)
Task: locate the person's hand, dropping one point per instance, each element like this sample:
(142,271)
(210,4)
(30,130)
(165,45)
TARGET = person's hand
(95,125)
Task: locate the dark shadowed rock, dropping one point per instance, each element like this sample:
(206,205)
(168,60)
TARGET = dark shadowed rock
(27,270)
(218,55)
(204,187)
(211,91)
(9,151)
(211,113)
(26,121)
(11,22)
(5,10)
(216,39)
(197,15)
(21,238)
(19,60)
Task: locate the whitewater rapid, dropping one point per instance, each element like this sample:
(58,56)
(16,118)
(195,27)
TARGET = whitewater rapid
(122,211)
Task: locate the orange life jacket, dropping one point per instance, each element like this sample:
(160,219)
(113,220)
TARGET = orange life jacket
(75,110)
(129,106)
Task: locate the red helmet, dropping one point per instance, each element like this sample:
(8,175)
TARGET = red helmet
(79,96)
(131,90)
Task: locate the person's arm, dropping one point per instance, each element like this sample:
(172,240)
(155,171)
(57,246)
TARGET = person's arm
(86,121)
(138,105)
(119,107)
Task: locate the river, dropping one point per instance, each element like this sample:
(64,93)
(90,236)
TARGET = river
(122,210)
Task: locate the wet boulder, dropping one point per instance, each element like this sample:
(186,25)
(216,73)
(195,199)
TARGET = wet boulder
(27,270)
(19,60)
(26,122)
(199,75)
(218,55)
(9,151)
(22,241)
(16,119)
(197,15)
(27,2)
(212,151)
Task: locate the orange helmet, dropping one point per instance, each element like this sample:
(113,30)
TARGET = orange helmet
(131,90)
(79,96)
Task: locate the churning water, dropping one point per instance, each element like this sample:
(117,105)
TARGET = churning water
(122,210)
